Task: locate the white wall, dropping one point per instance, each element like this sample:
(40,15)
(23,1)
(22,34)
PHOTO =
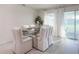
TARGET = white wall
(10,17)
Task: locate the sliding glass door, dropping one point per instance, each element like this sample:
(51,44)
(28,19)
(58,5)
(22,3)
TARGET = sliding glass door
(77,25)
(71,24)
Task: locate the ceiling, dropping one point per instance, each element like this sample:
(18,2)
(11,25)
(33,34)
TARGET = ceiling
(46,6)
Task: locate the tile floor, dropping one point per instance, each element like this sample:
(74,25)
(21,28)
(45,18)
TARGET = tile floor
(63,46)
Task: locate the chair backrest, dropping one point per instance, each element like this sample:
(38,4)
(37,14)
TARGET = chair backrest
(44,32)
(48,33)
(43,40)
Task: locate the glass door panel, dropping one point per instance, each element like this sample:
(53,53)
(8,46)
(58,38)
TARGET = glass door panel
(69,24)
(77,25)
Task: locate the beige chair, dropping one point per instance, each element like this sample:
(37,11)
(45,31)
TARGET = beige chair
(22,45)
(44,39)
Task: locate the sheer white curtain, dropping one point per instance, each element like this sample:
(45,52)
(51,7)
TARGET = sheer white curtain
(49,19)
(60,22)
(55,19)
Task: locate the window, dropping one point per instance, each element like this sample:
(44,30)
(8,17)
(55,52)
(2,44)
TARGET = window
(49,19)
